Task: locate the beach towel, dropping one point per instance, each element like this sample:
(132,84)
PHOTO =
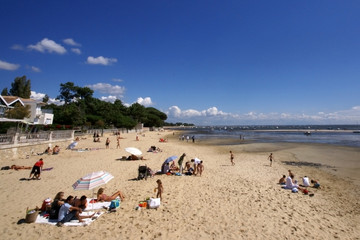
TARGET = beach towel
(48,169)
(91,205)
(87,221)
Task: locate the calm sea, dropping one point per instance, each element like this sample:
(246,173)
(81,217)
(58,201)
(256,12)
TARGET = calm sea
(343,135)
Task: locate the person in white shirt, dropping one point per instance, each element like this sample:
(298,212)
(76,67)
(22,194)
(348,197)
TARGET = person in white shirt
(306,181)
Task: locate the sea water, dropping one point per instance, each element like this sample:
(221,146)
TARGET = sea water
(343,135)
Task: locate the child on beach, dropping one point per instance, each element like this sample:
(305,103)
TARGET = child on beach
(118,142)
(107,143)
(271,159)
(282,180)
(232,158)
(200,168)
(160,189)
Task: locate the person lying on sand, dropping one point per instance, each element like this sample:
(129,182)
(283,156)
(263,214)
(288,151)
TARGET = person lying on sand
(134,157)
(15,167)
(102,197)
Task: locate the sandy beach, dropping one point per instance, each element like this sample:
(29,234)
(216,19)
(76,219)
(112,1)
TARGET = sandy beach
(228,202)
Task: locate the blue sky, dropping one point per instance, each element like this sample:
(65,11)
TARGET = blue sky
(204,62)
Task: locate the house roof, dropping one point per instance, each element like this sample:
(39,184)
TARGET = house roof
(10,100)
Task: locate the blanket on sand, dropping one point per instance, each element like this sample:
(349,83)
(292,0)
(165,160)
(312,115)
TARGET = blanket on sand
(87,221)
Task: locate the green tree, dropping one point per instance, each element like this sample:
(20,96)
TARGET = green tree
(45,99)
(154,117)
(84,92)
(5,92)
(21,87)
(137,112)
(67,92)
(18,112)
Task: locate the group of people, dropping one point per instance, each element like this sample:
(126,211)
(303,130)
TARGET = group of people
(65,210)
(49,151)
(193,167)
(182,138)
(290,183)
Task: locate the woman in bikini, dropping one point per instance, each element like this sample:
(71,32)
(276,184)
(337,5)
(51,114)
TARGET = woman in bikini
(105,198)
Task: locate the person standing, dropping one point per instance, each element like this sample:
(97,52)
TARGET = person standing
(118,141)
(180,162)
(232,158)
(107,143)
(160,189)
(271,157)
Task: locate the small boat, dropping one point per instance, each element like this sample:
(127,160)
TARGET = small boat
(307,133)
(356,131)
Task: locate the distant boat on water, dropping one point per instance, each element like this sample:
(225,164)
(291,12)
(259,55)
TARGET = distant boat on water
(356,131)
(307,133)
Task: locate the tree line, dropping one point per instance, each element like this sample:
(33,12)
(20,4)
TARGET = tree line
(80,108)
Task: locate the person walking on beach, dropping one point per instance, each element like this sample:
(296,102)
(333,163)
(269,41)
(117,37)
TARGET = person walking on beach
(271,159)
(107,143)
(232,158)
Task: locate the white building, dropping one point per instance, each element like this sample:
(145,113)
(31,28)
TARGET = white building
(37,115)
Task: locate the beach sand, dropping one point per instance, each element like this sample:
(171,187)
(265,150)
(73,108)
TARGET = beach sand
(228,202)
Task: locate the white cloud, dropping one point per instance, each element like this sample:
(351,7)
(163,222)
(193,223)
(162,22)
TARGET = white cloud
(17,47)
(101,60)
(214,116)
(106,88)
(109,99)
(145,101)
(35,69)
(8,66)
(71,42)
(39,97)
(76,50)
(117,80)
(47,45)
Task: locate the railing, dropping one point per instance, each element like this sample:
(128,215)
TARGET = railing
(6,139)
(33,137)
(62,134)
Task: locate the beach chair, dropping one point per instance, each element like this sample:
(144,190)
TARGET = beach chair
(142,172)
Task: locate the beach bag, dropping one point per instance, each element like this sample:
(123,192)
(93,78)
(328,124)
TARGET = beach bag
(153,203)
(46,205)
(114,204)
(31,215)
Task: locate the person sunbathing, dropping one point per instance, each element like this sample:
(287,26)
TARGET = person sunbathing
(134,157)
(16,167)
(102,197)
(56,150)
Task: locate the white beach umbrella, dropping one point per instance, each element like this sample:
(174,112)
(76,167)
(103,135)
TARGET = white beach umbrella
(133,151)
